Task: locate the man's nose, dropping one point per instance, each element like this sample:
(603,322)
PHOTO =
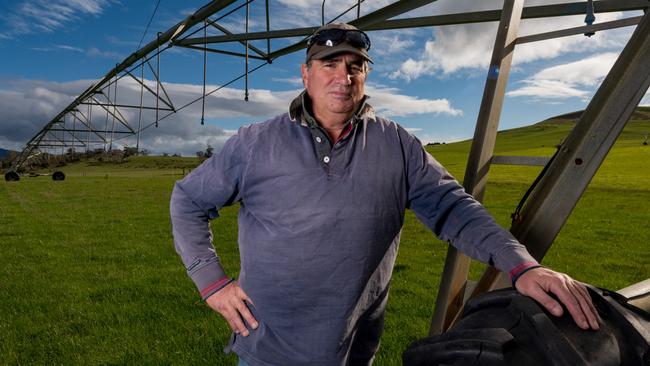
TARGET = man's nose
(343,75)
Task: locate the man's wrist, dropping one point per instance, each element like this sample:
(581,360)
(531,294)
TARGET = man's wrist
(215,286)
(518,271)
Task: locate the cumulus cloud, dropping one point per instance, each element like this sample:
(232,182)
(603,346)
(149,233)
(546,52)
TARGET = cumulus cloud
(389,102)
(308,13)
(33,16)
(29,105)
(573,79)
(468,47)
(392,42)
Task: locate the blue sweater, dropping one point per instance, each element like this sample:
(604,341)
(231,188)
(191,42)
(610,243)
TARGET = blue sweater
(319,227)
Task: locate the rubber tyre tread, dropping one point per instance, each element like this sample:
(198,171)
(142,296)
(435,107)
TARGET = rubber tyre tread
(504,327)
(12,176)
(58,176)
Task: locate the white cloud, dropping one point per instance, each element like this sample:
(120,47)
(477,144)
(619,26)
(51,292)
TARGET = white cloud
(548,89)
(91,52)
(69,48)
(307,13)
(96,52)
(574,79)
(389,43)
(292,81)
(29,105)
(469,47)
(33,16)
(389,102)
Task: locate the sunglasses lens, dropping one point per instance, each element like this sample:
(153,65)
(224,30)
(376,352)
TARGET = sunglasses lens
(358,40)
(333,37)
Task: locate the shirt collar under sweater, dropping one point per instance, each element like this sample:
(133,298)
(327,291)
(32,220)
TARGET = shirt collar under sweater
(300,110)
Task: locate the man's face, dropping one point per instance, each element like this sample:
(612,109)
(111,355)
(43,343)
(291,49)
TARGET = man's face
(336,85)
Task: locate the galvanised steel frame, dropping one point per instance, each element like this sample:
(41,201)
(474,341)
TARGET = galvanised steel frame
(551,202)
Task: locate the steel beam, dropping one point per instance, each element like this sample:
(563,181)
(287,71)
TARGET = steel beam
(116,114)
(128,106)
(452,284)
(587,145)
(580,30)
(387,12)
(89,131)
(531,12)
(242,42)
(583,151)
(223,52)
(520,160)
(142,84)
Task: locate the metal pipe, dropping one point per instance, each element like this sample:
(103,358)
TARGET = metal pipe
(205,61)
(246,63)
(268,28)
(137,141)
(157,80)
(110,146)
(531,12)
(452,284)
(108,97)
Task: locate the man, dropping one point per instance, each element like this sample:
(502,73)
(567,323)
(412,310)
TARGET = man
(323,190)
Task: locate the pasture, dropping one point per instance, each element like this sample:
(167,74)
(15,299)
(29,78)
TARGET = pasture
(88,272)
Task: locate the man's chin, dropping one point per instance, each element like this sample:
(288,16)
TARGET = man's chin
(342,103)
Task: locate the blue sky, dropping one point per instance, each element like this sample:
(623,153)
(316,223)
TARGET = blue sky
(430,80)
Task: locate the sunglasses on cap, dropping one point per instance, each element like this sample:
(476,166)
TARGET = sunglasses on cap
(334,37)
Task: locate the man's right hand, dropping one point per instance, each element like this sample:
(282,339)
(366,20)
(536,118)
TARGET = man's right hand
(230,303)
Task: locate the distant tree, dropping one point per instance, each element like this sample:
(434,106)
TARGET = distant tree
(200,154)
(130,151)
(208,151)
(165,154)
(176,155)
(144,152)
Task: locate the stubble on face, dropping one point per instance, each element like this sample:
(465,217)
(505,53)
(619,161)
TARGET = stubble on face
(336,86)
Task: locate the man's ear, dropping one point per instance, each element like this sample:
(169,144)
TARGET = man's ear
(304,73)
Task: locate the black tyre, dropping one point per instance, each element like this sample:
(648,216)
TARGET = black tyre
(505,328)
(12,176)
(58,176)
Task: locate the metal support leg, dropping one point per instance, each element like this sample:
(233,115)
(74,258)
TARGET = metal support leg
(454,277)
(587,145)
(584,150)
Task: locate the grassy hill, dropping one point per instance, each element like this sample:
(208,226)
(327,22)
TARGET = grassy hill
(627,163)
(89,275)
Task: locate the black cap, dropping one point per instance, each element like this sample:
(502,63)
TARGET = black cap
(320,51)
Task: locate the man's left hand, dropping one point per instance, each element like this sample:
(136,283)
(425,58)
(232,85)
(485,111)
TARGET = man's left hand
(539,282)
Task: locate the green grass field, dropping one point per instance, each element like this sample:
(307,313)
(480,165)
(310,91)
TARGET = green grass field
(88,273)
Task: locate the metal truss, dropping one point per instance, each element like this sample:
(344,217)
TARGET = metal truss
(96,118)
(567,174)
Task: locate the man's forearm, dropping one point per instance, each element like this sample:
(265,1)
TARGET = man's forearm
(193,242)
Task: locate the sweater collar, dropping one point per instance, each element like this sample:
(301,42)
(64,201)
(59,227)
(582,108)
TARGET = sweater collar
(300,110)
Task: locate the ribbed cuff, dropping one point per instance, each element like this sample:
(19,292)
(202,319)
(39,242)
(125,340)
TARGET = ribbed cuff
(206,275)
(516,272)
(215,286)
